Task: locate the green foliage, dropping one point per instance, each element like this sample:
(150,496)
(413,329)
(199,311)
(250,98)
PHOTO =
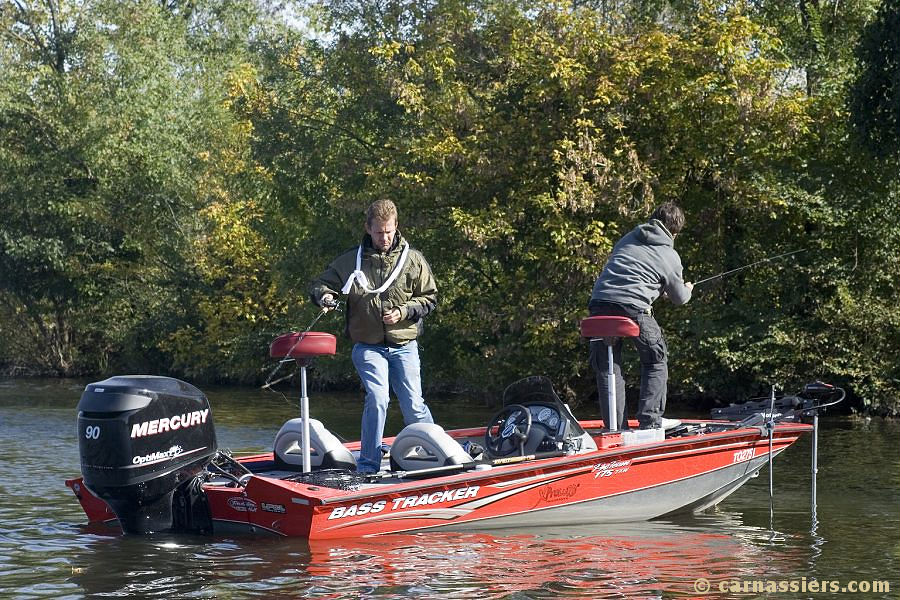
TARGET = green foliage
(107,109)
(521,143)
(175,175)
(875,93)
(818,38)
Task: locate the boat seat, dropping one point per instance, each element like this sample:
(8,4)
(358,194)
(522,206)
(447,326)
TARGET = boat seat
(426,445)
(305,345)
(610,328)
(325,450)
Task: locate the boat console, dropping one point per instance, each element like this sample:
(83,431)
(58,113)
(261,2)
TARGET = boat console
(548,426)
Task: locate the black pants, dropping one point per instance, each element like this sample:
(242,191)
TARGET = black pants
(651,347)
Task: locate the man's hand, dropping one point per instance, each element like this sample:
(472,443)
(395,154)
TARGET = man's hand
(689,285)
(392,316)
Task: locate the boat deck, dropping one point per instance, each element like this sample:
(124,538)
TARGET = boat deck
(607,442)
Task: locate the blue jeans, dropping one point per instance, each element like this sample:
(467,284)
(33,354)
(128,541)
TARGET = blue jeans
(378,367)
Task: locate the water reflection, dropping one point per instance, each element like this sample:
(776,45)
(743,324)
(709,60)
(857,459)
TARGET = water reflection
(657,559)
(45,551)
(635,560)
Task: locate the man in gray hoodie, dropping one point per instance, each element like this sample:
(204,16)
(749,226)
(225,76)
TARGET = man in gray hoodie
(642,267)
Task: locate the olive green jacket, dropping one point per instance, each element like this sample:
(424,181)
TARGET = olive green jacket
(414,292)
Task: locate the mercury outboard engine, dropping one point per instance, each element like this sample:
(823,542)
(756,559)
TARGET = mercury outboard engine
(143,440)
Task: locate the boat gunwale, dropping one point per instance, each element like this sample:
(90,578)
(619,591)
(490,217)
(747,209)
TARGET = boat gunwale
(787,432)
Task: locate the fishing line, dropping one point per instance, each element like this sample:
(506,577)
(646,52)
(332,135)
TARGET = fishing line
(759,262)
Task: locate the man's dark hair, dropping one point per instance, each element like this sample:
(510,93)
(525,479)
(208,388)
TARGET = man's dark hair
(670,216)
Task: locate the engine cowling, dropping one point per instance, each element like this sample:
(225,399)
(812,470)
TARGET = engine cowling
(141,440)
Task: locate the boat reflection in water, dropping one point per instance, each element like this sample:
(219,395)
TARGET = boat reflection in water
(632,560)
(628,560)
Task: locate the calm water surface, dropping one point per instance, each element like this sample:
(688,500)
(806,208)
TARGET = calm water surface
(47,550)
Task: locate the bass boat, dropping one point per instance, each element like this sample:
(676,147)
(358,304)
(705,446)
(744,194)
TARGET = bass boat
(149,460)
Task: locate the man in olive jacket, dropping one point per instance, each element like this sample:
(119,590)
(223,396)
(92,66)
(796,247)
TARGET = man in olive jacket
(389,289)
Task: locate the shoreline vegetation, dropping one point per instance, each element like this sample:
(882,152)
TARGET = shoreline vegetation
(487,396)
(175,174)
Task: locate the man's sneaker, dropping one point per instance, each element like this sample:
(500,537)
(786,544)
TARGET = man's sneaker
(668,424)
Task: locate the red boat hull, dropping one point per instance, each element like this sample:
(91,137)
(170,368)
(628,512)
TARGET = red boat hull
(612,484)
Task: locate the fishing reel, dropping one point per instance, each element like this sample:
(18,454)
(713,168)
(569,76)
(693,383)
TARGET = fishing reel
(331,304)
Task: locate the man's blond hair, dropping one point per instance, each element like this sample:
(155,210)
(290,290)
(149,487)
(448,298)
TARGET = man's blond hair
(381,210)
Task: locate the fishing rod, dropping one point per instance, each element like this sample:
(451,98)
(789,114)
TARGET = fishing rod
(759,262)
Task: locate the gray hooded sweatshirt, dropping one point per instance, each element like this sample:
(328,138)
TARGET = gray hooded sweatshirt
(643,265)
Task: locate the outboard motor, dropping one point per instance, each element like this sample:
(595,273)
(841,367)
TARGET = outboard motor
(141,440)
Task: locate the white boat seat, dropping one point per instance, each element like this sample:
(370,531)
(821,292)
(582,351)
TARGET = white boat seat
(426,445)
(325,450)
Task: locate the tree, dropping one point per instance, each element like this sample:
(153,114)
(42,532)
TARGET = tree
(875,93)
(107,111)
(176,173)
(520,142)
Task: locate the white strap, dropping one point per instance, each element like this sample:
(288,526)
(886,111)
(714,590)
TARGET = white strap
(360,277)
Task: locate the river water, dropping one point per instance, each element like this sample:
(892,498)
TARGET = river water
(47,550)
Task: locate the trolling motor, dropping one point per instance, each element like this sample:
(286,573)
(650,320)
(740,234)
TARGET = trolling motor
(801,407)
(814,398)
(830,395)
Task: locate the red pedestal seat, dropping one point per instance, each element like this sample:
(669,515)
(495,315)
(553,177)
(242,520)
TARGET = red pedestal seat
(609,326)
(312,343)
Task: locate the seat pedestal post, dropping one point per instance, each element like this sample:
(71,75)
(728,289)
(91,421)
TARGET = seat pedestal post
(304,414)
(612,421)
(302,347)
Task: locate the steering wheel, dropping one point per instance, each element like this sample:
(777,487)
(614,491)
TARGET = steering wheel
(507,430)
